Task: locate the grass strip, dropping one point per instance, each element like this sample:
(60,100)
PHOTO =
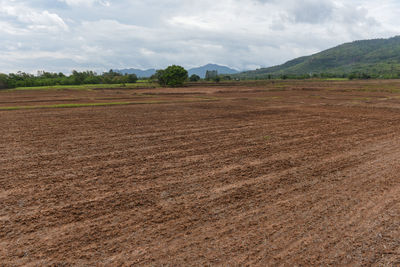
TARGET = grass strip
(71,105)
(87,87)
(77,105)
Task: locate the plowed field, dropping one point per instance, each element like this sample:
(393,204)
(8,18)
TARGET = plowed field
(260,174)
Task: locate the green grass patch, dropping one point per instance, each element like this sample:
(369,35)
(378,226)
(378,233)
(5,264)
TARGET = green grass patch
(211,98)
(362,98)
(139,84)
(78,105)
(72,105)
(267,137)
(336,79)
(267,98)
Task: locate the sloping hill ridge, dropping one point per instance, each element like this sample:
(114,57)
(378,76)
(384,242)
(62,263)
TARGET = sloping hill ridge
(138,72)
(373,57)
(201,71)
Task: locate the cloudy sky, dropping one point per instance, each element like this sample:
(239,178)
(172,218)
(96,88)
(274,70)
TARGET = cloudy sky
(62,35)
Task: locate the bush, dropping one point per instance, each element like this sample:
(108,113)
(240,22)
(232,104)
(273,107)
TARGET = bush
(173,76)
(194,78)
(211,75)
(132,78)
(226,77)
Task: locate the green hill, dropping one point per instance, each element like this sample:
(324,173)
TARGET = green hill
(376,58)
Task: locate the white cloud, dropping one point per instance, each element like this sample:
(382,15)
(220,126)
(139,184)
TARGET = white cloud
(86,3)
(30,18)
(78,2)
(79,34)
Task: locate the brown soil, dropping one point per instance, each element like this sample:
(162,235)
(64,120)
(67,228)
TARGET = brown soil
(285,173)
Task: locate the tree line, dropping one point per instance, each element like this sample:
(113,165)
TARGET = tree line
(172,76)
(22,79)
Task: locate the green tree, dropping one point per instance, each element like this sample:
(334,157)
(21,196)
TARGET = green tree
(132,78)
(3,81)
(211,75)
(226,77)
(194,78)
(159,76)
(173,76)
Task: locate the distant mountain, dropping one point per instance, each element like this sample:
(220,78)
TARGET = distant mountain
(201,71)
(138,72)
(377,57)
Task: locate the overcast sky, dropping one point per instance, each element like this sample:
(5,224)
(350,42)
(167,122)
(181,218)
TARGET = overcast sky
(62,35)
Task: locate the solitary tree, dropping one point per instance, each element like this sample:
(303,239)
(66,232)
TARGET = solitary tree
(173,76)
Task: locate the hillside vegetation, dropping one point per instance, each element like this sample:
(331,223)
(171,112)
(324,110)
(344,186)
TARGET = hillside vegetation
(200,71)
(378,58)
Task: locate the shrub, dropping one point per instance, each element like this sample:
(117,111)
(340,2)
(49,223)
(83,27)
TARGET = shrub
(194,78)
(211,75)
(132,78)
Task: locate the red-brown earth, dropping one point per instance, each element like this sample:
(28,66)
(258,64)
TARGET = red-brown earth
(264,173)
